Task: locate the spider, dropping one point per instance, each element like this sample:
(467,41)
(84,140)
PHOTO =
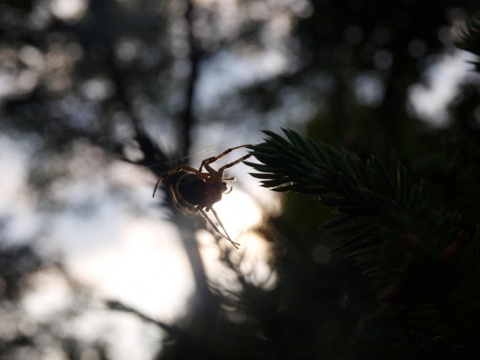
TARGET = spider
(194,191)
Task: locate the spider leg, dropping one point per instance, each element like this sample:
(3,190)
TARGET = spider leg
(185,168)
(223,227)
(159,181)
(206,163)
(215,227)
(222,169)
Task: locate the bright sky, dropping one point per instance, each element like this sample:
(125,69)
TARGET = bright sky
(431,101)
(111,250)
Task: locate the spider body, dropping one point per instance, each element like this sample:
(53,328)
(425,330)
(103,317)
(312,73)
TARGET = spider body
(197,191)
(194,191)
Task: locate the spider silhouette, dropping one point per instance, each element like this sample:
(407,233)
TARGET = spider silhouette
(195,191)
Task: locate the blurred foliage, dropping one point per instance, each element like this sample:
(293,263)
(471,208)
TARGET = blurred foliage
(141,81)
(23,272)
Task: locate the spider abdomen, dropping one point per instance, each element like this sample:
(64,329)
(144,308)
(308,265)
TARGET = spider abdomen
(196,191)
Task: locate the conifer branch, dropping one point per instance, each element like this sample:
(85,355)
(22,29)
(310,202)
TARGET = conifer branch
(469,39)
(336,177)
(373,211)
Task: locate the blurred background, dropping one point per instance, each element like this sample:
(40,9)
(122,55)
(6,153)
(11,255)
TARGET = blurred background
(98,98)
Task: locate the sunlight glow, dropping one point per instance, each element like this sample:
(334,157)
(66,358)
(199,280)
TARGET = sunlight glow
(238,212)
(70,10)
(255,261)
(146,268)
(431,101)
(54,291)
